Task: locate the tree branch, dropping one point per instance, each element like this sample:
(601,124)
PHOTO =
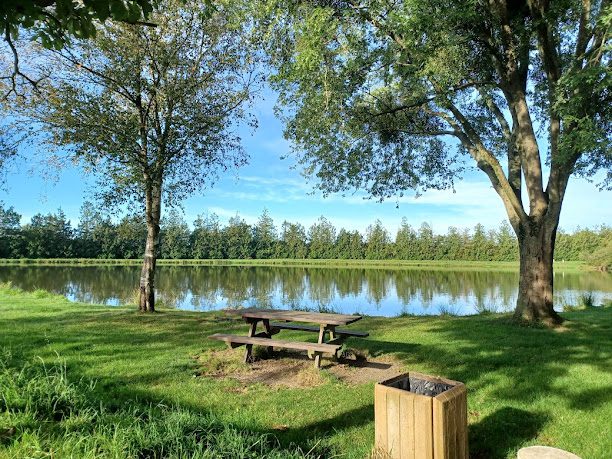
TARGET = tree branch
(124,92)
(16,69)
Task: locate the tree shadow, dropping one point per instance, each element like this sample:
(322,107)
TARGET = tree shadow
(503,431)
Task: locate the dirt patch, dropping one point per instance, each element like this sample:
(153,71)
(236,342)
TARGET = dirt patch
(293,369)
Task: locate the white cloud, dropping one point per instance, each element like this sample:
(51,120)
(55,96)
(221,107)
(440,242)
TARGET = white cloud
(471,194)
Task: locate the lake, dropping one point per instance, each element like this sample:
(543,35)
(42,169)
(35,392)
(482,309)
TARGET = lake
(382,292)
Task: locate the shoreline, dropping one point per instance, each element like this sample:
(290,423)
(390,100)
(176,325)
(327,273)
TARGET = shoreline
(299,263)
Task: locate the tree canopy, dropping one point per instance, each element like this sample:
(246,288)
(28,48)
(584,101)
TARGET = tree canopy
(52,23)
(388,96)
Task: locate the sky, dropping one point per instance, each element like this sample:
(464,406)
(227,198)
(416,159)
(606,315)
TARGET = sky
(269,182)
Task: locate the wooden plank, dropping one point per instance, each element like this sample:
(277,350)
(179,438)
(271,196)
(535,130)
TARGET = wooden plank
(325,348)
(380,418)
(393,425)
(407,425)
(423,434)
(450,424)
(461,420)
(256,335)
(391,382)
(320,341)
(445,429)
(297,316)
(337,331)
(438,407)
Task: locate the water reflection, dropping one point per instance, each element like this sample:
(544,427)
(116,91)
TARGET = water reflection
(366,291)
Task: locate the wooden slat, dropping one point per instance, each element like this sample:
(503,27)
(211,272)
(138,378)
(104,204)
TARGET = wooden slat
(449,424)
(380,417)
(407,426)
(297,316)
(338,331)
(462,432)
(423,435)
(393,425)
(326,348)
(257,335)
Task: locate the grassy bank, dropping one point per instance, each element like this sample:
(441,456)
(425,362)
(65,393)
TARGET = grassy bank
(130,388)
(314,263)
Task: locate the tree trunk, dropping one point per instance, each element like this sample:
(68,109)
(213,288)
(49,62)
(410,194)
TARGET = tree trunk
(147,275)
(535,297)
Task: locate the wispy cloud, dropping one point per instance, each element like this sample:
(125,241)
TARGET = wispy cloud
(284,190)
(266,190)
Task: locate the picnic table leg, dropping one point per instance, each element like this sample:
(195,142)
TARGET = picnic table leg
(333,336)
(322,329)
(248,353)
(266,323)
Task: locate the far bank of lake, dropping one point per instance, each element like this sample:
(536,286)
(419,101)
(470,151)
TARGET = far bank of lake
(372,287)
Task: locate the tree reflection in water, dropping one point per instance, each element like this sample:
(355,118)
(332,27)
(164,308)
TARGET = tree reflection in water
(346,290)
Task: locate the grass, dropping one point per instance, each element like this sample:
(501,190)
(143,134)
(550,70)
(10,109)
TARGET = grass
(72,422)
(95,381)
(327,263)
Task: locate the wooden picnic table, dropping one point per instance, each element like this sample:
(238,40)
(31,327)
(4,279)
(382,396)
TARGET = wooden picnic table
(327,324)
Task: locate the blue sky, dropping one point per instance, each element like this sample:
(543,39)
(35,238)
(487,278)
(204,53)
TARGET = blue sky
(270,182)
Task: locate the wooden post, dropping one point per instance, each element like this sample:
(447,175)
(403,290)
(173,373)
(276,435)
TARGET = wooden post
(266,323)
(248,353)
(421,417)
(332,338)
(320,341)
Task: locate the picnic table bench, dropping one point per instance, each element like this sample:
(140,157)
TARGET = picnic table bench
(327,324)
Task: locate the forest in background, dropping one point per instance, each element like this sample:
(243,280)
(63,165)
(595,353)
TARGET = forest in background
(98,236)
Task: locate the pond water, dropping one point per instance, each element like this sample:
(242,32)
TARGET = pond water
(344,290)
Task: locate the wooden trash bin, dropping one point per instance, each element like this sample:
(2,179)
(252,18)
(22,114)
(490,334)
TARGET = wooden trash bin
(420,417)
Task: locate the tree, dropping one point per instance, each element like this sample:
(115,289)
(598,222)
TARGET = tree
(377,242)
(405,242)
(88,243)
(238,239)
(506,244)
(480,244)
(175,237)
(54,22)
(48,236)
(454,246)
(389,96)
(425,242)
(349,245)
(10,237)
(130,236)
(153,110)
(206,237)
(321,238)
(264,237)
(292,242)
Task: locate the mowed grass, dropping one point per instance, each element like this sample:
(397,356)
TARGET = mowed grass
(134,375)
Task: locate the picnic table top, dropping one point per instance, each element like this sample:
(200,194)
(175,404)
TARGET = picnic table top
(298,316)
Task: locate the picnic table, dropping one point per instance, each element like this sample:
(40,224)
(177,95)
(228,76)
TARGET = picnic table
(330,338)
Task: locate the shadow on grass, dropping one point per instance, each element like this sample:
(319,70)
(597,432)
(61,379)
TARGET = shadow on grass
(503,431)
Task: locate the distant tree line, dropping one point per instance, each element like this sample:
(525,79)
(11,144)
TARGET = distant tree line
(97,236)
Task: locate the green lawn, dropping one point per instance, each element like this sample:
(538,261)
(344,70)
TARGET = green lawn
(525,385)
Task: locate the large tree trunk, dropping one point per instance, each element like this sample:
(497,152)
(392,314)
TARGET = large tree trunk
(535,296)
(147,275)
